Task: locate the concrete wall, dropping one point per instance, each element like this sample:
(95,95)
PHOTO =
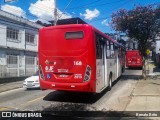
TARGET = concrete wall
(20,48)
(12,79)
(2,35)
(157,47)
(21,69)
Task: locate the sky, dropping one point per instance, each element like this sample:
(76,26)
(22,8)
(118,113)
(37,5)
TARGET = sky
(95,12)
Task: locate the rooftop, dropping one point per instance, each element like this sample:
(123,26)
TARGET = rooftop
(69,21)
(19,19)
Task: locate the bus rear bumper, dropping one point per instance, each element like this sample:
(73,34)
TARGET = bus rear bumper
(134,65)
(78,87)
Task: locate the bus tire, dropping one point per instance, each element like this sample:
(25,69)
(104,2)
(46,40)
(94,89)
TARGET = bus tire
(123,69)
(110,83)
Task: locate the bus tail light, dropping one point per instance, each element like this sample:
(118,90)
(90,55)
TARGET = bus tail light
(129,61)
(41,72)
(138,60)
(87,74)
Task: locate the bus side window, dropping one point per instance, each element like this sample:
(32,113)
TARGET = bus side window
(98,48)
(119,52)
(112,50)
(108,54)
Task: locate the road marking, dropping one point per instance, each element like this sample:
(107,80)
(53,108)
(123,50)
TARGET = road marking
(3,108)
(29,102)
(22,104)
(35,99)
(10,91)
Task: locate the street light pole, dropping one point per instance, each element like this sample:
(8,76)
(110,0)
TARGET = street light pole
(55,13)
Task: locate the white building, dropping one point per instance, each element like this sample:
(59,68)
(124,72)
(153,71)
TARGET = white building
(156,52)
(18,46)
(157,44)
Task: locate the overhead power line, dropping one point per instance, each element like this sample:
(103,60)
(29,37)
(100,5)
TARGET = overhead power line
(88,6)
(78,6)
(90,3)
(65,8)
(111,10)
(107,17)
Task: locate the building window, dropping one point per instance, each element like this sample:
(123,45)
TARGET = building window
(12,61)
(30,38)
(30,61)
(13,34)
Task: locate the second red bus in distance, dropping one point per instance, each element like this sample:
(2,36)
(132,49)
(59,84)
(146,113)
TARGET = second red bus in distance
(134,59)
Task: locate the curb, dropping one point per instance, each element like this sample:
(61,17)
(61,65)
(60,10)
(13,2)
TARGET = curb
(10,86)
(5,90)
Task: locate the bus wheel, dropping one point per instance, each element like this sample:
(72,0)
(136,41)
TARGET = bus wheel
(123,69)
(110,83)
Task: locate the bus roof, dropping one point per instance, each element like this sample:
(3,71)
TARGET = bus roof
(82,25)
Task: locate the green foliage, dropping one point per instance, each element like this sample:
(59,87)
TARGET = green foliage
(140,23)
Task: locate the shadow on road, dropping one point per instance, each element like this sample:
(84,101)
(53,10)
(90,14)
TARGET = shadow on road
(29,89)
(73,101)
(74,97)
(132,74)
(131,77)
(134,68)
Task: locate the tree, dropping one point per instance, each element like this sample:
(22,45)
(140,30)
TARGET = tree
(140,23)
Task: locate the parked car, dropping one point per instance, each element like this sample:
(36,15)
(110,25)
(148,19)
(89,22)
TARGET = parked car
(32,82)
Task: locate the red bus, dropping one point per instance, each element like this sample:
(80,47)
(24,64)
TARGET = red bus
(78,57)
(134,58)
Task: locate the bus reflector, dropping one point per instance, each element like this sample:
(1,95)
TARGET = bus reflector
(72,86)
(87,73)
(41,72)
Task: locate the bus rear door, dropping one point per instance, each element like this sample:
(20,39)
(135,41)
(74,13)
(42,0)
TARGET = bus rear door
(100,64)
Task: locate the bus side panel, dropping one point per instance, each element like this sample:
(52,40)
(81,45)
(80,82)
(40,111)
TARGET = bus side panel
(112,68)
(92,57)
(99,75)
(121,61)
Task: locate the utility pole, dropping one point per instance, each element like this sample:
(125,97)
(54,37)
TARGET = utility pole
(55,13)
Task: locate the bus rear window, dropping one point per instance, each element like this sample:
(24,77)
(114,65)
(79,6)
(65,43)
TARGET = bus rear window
(74,35)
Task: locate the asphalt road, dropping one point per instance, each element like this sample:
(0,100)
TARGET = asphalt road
(115,100)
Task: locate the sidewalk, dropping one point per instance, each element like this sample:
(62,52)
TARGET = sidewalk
(154,71)
(146,95)
(10,86)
